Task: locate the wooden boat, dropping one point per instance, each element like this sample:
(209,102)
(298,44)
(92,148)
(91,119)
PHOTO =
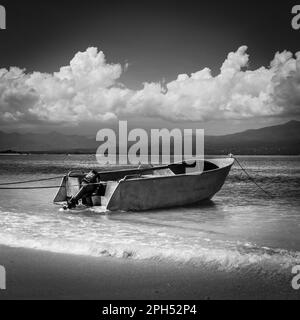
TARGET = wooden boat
(153,187)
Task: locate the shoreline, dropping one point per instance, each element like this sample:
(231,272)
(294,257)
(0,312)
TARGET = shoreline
(34,274)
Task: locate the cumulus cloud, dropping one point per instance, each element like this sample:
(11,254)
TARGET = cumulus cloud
(89,90)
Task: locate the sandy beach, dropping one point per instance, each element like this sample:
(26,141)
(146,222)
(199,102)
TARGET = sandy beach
(33,274)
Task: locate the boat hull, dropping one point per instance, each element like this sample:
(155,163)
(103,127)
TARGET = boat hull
(162,192)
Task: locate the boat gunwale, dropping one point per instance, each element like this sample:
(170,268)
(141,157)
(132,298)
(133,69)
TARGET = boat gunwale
(197,173)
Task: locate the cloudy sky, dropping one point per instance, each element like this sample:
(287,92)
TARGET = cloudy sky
(78,67)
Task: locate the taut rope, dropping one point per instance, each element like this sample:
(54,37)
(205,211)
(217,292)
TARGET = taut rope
(251,179)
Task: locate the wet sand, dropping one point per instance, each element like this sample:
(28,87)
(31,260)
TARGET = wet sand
(33,274)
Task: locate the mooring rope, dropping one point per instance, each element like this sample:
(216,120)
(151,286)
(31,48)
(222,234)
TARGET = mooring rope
(46,187)
(29,181)
(59,177)
(30,188)
(251,179)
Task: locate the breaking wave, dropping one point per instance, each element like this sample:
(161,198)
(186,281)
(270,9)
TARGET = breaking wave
(215,254)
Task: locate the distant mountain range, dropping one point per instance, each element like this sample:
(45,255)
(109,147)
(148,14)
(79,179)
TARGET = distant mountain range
(280,139)
(53,142)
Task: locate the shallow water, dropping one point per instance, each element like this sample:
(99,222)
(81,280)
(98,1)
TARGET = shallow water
(241,229)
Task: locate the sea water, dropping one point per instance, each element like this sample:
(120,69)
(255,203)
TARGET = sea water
(240,229)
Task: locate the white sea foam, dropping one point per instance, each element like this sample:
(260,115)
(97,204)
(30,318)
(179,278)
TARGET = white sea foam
(158,246)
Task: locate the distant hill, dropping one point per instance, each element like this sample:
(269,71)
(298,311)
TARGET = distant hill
(52,141)
(281,139)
